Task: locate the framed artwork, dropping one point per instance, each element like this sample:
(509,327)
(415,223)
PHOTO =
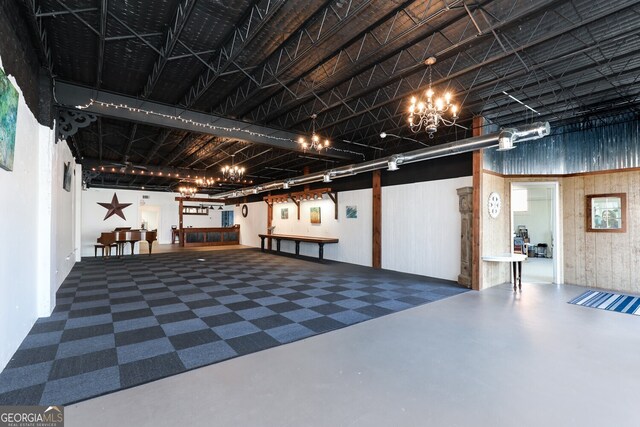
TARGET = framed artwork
(8,121)
(607,212)
(316,218)
(66,179)
(352,212)
(284,213)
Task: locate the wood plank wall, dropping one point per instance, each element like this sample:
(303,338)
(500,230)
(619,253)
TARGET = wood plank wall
(602,260)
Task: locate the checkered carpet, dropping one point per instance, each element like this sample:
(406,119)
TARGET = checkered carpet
(124,322)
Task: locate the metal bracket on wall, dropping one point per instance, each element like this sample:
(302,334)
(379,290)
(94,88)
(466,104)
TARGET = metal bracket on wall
(69,121)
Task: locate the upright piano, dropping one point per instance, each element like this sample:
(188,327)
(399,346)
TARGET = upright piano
(123,236)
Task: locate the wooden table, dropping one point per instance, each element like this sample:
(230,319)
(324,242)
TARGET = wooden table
(321,241)
(516,262)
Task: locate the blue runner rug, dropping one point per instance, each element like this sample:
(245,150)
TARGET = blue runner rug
(609,301)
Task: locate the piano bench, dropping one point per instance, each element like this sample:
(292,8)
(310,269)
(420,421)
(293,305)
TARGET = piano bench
(102,249)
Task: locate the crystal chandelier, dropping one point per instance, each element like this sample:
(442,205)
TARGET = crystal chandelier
(315,143)
(186,191)
(428,113)
(232,173)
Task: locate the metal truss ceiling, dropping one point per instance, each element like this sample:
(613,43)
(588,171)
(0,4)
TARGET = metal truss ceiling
(354,63)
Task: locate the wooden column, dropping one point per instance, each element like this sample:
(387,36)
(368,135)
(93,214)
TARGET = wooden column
(269,220)
(180,226)
(476,226)
(377,221)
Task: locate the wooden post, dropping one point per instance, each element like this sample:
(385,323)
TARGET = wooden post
(476,225)
(305,171)
(269,221)
(377,221)
(180,225)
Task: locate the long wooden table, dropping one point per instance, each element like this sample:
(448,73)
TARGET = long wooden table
(321,241)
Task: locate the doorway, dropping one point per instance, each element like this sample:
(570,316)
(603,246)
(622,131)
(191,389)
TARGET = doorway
(535,225)
(150,217)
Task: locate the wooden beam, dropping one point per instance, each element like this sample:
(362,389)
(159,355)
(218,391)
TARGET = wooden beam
(476,222)
(200,199)
(180,225)
(297,202)
(377,221)
(334,197)
(269,221)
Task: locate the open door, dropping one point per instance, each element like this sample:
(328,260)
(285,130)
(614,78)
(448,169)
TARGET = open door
(535,223)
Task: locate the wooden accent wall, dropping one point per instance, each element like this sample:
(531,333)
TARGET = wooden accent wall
(376,261)
(602,260)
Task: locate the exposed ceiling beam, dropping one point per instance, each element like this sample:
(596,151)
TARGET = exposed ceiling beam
(103,31)
(260,13)
(171,38)
(324,24)
(122,107)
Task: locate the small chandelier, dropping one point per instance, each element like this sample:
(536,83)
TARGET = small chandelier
(205,182)
(428,113)
(186,191)
(232,173)
(315,143)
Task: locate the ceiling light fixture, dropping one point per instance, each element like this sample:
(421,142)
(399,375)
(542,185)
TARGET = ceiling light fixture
(232,173)
(315,143)
(186,191)
(428,113)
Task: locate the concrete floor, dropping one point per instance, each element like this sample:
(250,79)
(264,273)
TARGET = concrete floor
(537,270)
(490,358)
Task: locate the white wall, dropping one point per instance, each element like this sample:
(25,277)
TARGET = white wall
(254,224)
(421,228)
(93,222)
(38,247)
(355,244)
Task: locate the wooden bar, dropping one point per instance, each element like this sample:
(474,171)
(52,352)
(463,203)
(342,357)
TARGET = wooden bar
(377,221)
(211,236)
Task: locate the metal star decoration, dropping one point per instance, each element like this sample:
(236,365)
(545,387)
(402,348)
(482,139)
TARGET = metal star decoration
(114,208)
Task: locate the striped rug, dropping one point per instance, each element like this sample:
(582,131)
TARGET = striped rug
(609,301)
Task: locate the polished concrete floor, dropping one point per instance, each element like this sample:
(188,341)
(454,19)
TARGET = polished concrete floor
(490,358)
(537,270)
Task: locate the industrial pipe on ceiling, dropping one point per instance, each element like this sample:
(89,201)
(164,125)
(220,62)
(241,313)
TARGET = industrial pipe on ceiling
(504,139)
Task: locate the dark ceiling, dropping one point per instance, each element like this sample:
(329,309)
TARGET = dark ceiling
(353,63)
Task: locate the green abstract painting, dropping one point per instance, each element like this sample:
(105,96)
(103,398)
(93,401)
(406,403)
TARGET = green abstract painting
(8,121)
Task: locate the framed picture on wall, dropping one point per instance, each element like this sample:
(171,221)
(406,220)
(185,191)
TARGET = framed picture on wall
(316,218)
(607,212)
(352,212)
(284,213)
(8,121)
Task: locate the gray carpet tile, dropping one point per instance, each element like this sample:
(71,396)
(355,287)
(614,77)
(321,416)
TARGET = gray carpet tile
(121,322)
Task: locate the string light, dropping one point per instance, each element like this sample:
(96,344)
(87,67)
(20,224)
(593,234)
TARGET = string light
(181,119)
(209,126)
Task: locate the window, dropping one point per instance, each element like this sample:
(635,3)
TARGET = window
(227,218)
(519,200)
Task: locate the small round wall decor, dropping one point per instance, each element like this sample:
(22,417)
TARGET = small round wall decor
(494,205)
(245,210)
